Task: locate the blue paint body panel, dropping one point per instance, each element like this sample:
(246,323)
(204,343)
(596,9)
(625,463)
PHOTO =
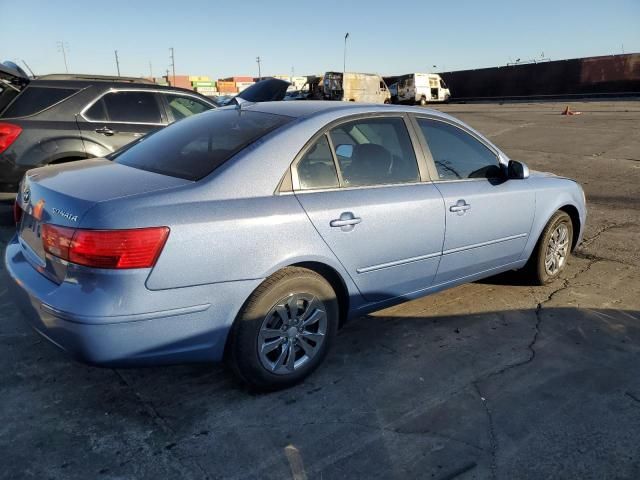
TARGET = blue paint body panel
(234,228)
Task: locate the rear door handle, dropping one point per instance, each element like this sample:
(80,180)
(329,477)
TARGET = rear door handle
(105,131)
(460,207)
(346,222)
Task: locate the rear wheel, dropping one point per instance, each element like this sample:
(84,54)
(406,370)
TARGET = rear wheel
(423,101)
(550,256)
(284,330)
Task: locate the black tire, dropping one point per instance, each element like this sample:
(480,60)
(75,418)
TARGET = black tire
(536,268)
(245,340)
(423,102)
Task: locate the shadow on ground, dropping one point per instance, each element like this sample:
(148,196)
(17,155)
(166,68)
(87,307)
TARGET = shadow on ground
(515,393)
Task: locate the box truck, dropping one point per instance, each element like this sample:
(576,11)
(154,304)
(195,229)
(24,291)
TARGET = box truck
(355,87)
(420,88)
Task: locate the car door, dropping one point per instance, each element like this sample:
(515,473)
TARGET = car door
(119,117)
(362,186)
(488,218)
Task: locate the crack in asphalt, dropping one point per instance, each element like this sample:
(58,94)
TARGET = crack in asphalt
(159,420)
(588,241)
(531,347)
(493,441)
(632,397)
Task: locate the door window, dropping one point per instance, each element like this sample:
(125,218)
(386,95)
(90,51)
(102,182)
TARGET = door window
(457,154)
(129,107)
(316,169)
(375,151)
(184,106)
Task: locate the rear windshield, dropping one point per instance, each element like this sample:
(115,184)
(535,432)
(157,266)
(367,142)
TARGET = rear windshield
(194,147)
(35,99)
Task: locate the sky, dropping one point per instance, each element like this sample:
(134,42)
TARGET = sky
(221,39)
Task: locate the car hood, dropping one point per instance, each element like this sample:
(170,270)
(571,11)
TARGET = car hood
(269,90)
(12,75)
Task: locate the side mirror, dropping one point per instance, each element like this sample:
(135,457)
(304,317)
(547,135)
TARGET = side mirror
(517,170)
(345,150)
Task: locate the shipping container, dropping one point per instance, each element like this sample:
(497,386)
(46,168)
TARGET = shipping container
(237,79)
(203,84)
(196,78)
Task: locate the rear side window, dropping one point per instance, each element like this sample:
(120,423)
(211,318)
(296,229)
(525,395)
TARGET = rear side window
(196,146)
(129,107)
(35,99)
(375,151)
(316,169)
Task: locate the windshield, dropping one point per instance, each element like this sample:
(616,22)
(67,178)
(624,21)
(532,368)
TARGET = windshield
(194,147)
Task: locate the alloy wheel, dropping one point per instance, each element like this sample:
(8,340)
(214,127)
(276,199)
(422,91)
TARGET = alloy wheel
(292,333)
(557,250)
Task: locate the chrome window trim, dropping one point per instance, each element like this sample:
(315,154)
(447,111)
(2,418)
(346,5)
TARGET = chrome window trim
(413,138)
(429,157)
(148,90)
(356,187)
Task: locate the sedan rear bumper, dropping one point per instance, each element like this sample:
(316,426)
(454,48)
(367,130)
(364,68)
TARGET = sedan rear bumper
(195,333)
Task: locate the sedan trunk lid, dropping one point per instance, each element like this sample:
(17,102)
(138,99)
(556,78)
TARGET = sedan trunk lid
(62,194)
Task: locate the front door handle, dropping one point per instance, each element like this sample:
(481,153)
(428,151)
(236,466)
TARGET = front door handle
(346,222)
(105,131)
(460,207)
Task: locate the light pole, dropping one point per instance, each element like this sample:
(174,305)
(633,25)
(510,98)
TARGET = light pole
(344,55)
(63,47)
(259,72)
(173,66)
(117,62)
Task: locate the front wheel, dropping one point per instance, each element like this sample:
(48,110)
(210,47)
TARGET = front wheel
(423,102)
(549,258)
(284,330)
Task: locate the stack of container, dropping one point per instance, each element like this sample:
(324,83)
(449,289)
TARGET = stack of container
(203,85)
(227,87)
(180,81)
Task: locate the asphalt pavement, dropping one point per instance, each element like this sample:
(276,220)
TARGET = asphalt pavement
(495,379)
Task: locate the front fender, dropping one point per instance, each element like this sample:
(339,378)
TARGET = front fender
(556,193)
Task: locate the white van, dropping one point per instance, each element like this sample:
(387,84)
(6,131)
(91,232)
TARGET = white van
(422,88)
(355,87)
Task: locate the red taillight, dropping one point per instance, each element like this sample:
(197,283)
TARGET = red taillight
(8,134)
(17,212)
(136,248)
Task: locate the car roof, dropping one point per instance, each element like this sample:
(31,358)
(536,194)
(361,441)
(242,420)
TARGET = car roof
(309,108)
(105,83)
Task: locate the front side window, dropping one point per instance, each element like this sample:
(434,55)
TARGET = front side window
(375,151)
(35,99)
(316,169)
(457,154)
(129,107)
(196,146)
(184,106)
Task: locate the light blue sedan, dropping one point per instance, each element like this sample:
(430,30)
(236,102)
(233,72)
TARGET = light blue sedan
(253,232)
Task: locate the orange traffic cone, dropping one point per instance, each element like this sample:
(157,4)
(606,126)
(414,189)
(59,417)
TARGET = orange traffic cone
(567,111)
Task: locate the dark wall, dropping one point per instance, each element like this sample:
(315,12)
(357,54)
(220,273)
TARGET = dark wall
(615,74)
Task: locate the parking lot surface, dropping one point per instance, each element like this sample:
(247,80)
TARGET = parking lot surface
(495,379)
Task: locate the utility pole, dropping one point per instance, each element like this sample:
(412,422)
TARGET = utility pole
(173,66)
(63,47)
(150,70)
(259,71)
(344,56)
(117,62)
